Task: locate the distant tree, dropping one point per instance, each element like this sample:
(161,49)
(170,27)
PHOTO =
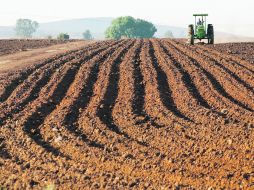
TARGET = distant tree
(26,27)
(144,29)
(63,36)
(128,27)
(168,34)
(49,37)
(121,27)
(87,35)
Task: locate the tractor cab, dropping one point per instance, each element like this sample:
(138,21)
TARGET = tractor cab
(200,30)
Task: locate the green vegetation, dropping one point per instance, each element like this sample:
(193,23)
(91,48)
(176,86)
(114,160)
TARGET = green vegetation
(128,27)
(87,35)
(50,187)
(63,36)
(26,27)
(168,34)
(49,37)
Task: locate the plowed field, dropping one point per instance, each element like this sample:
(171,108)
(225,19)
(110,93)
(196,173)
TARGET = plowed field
(142,114)
(243,50)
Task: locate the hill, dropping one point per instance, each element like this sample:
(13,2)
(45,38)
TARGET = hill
(97,26)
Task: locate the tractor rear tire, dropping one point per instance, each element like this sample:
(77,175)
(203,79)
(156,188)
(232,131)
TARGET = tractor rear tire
(191,34)
(210,33)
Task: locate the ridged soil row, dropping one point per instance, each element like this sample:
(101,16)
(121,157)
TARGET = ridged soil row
(30,88)
(45,161)
(128,112)
(207,86)
(232,59)
(176,138)
(158,100)
(204,140)
(166,115)
(123,112)
(85,155)
(41,73)
(127,149)
(241,74)
(63,120)
(229,86)
(28,121)
(184,91)
(96,119)
(23,74)
(11,83)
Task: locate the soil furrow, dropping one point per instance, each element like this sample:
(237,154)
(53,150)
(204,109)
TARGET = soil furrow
(163,86)
(105,110)
(24,74)
(78,96)
(230,83)
(217,82)
(30,88)
(130,114)
(43,106)
(185,92)
(90,119)
(236,60)
(21,77)
(240,74)
(127,111)
(138,103)
(204,85)
(186,77)
(153,103)
(32,123)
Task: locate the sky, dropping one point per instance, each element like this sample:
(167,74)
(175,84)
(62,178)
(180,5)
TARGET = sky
(232,16)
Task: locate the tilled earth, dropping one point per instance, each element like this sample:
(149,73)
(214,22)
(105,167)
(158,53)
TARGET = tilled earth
(12,46)
(244,50)
(142,114)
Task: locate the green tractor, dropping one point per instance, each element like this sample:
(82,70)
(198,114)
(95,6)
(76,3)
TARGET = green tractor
(200,30)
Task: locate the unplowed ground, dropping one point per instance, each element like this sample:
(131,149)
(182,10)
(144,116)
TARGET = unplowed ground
(142,114)
(13,46)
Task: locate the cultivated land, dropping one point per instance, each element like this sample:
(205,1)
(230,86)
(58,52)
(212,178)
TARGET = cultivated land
(243,50)
(142,114)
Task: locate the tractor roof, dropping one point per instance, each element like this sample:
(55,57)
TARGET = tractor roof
(200,14)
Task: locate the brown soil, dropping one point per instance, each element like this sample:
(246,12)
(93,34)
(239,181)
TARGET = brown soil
(13,46)
(244,50)
(141,114)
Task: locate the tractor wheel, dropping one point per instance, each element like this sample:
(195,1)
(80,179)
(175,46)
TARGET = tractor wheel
(210,34)
(191,34)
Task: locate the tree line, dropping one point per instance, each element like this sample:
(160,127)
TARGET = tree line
(122,27)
